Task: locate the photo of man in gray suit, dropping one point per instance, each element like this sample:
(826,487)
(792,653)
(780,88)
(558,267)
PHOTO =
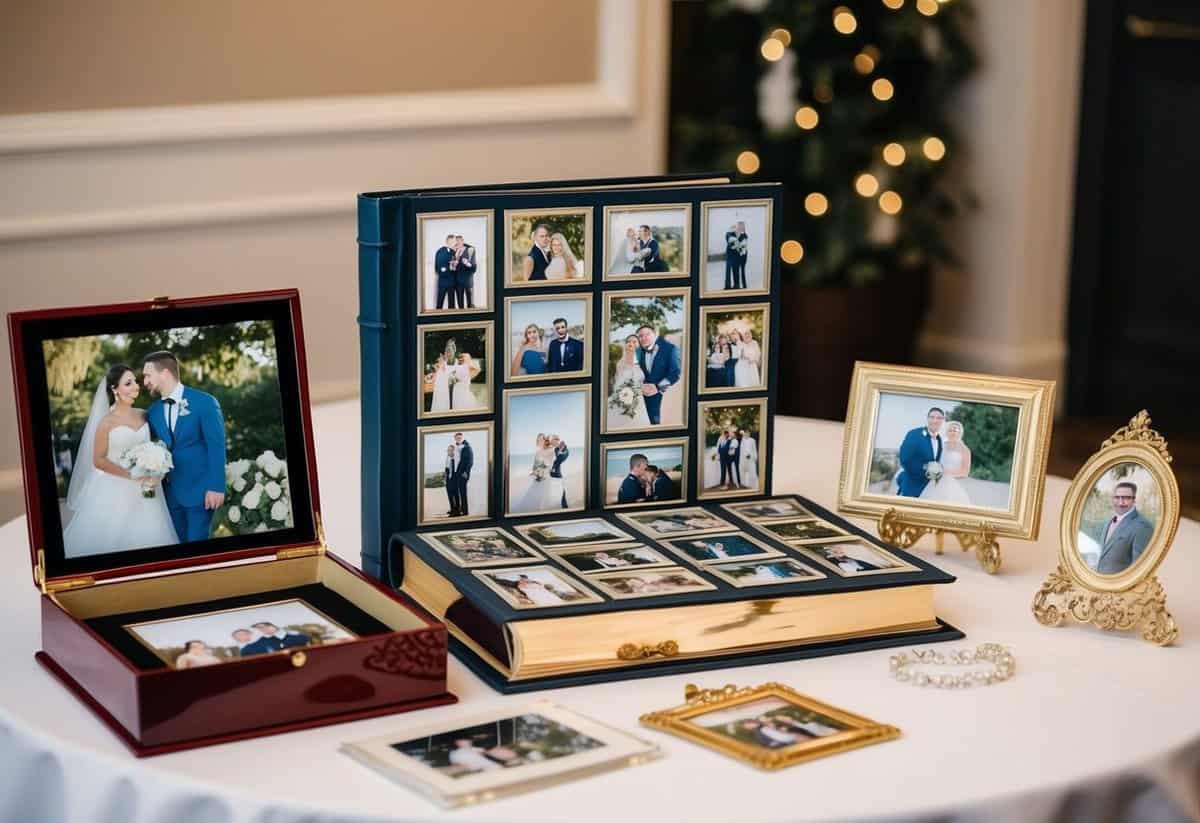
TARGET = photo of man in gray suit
(1124,536)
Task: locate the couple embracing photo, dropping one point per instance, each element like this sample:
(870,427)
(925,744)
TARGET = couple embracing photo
(649,366)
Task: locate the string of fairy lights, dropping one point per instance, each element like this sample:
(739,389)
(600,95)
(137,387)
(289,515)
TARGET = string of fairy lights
(894,154)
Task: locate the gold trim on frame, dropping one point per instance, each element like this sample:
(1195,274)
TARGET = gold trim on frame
(686,267)
(422,310)
(809,550)
(631,519)
(484,576)
(736,509)
(605,448)
(588,337)
(585,260)
(585,449)
(678,721)
(764,344)
(625,537)
(487,426)
(437,540)
(488,360)
(768,249)
(768,552)
(722,571)
(595,580)
(561,555)
(1033,398)
(702,447)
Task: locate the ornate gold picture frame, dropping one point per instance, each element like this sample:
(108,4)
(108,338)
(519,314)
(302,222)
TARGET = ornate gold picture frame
(769,726)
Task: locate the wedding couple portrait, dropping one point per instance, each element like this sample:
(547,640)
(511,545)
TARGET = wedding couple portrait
(455,377)
(455,472)
(536,587)
(548,337)
(944,451)
(765,573)
(597,559)
(546,469)
(649,241)
(643,473)
(646,381)
(771,723)
(455,262)
(145,426)
(549,246)
(735,355)
(732,459)
(481,547)
(624,585)
(852,559)
(737,246)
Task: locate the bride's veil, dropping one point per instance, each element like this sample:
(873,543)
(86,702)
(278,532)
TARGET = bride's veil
(84,469)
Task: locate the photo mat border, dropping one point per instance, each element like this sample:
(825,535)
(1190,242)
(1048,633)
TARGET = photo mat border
(764,344)
(586,261)
(768,248)
(490,427)
(686,267)
(586,450)
(585,372)
(490,230)
(606,447)
(490,384)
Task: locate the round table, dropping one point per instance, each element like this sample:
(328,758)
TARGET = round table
(1090,720)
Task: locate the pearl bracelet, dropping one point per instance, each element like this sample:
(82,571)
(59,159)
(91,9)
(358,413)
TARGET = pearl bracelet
(1005,665)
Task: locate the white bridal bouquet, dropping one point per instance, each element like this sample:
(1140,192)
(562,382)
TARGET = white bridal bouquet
(257,495)
(624,398)
(150,462)
(933,471)
(540,471)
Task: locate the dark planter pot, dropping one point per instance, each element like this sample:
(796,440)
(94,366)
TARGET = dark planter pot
(822,331)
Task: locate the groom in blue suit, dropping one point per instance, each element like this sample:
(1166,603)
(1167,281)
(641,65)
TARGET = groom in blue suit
(189,423)
(921,445)
(659,359)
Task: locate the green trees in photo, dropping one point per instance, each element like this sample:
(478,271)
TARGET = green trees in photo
(990,432)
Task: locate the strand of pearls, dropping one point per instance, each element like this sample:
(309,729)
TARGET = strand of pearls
(1004,665)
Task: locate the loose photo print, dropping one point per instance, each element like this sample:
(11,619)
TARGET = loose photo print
(167,437)
(454,473)
(765,573)
(585,531)
(736,243)
(588,559)
(453,257)
(720,548)
(734,356)
(645,367)
(1119,518)
(235,634)
(676,522)
(732,461)
(481,547)
(807,530)
(645,472)
(773,509)
(546,449)
(649,583)
(548,337)
(647,241)
(548,247)
(857,558)
(456,378)
(536,587)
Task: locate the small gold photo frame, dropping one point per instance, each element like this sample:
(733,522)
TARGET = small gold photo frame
(549,337)
(773,508)
(1118,520)
(769,726)
(733,346)
(454,369)
(857,558)
(680,522)
(646,335)
(644,242)
(660,582)
(772,571)
(454,473)
(800,531)
(735,247)
(536,587)
(454,263)
(732,446)
(644,472)
(548,247)
(596,559)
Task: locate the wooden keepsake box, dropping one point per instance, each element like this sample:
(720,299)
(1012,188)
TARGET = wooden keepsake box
(212,610)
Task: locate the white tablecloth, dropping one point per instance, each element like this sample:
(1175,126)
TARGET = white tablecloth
(1094,725)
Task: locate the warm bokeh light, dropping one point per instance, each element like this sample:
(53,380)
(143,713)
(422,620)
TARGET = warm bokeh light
(864,63)
(927,7)
(866,184)
(791,251)
(883,89)
(934,148)
(893,4)
(894,154)
(807,117)
(772,49)
(844,20)
(783,36)
(890,202)
(748,162)
(816,204)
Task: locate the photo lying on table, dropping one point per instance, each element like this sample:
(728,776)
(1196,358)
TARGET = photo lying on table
(481,547)
(645,366)
(736,346)
(676,522)
(775,508)
(454,473)
(584,531)
(548,247)
(771,723)
(807,530)
(548,337)
(546,449)
(649,583)
(720,548)
(765,573)
(644,473)
(536,587)
(731,462)
(856,559)
(588,559)
(647,241)
(736,243)
(500,752)
(455,377)
(235,634)
(1119,518)
(455,262)
(167,437)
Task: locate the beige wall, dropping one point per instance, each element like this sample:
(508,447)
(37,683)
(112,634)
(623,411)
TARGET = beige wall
(63,55)
(106,206)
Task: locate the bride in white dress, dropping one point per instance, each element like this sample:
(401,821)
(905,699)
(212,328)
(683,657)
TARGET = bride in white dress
(441,385)
(749,355)
(460,395)
(563,265)
(542,494)
(630,375)
(956,464)
(748,464)
(109,512)
(627,254)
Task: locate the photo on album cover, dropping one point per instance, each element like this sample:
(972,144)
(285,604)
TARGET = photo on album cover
(548,337)
(624,585)
(454,465)
(775,508)
(646,360)
(456,378)
(536,587)
(764,572)
(588,559)
(734,444)
(546,449)
(676,522)
(735,239)
(806,530)
(473,548)
(644,473)
(641,242)
(736,345)
(855,559)
(454,261)
(721,548)
(584,531)
(548,247)
(167,437)
(236,634)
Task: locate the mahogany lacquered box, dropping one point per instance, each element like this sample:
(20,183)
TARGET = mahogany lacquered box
(198,604)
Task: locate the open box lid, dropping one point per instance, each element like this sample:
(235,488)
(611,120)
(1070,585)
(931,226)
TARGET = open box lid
(239,372)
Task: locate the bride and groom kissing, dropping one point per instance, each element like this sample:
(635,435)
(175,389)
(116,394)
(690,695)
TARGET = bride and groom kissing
(930,467)
(649,366)
(110,511)
(645,483)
